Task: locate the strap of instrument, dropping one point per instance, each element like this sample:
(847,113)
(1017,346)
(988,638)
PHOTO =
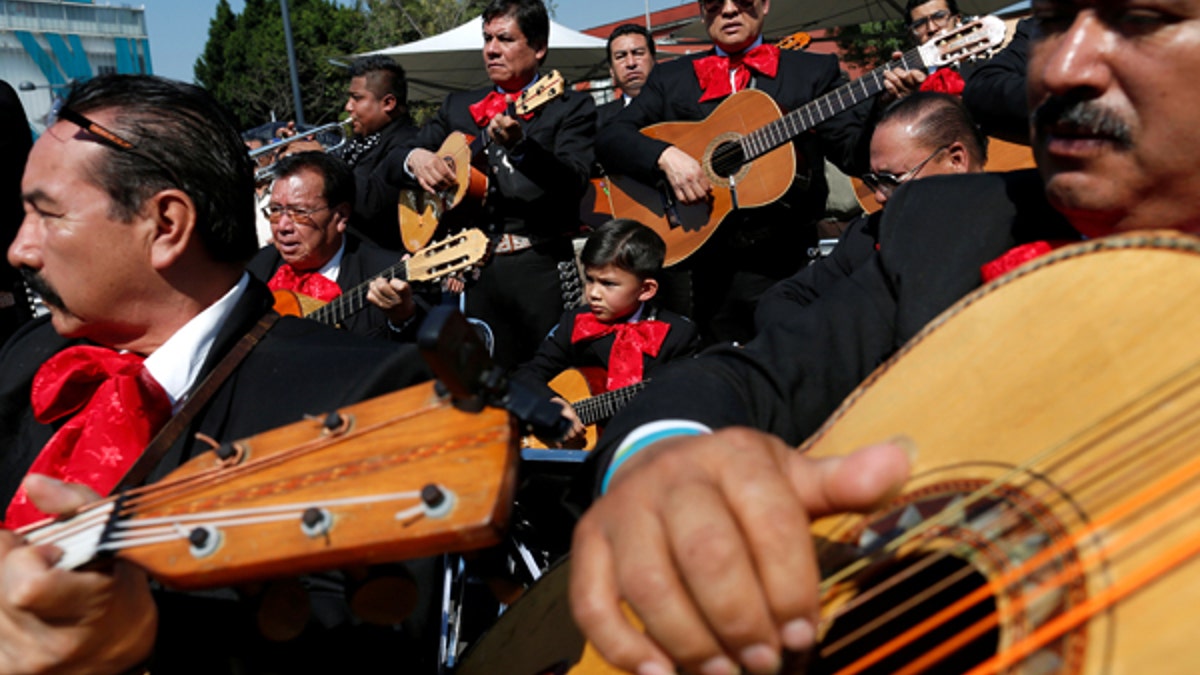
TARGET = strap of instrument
(175,427)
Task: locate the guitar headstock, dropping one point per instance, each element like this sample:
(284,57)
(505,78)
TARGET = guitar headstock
(543,91)
(970,40)
(452,254)
(794,42)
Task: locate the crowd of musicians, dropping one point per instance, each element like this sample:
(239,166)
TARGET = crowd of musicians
(161,259)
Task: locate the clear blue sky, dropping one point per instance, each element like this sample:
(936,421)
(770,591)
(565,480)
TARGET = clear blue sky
(179,28)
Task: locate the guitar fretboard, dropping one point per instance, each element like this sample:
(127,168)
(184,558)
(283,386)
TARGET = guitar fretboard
(761,141)
(353,301)
(603,406)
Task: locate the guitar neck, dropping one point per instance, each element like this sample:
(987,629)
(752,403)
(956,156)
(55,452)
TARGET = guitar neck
(353,301)
(603,406)
(783,130)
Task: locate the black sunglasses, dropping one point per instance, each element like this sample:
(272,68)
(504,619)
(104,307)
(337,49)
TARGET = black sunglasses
(886,181)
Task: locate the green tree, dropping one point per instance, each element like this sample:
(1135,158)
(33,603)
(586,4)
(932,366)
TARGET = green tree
(245,62)
(871,44)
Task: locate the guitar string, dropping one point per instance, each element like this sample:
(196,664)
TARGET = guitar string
(1120,452)
(165,491)
(1146,531)
(1186,379)
(1050,555)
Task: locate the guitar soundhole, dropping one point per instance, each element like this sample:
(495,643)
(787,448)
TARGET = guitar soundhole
(727,158)
(904,604)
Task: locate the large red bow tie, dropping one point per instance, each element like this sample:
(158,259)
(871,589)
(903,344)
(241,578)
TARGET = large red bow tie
(493,104)
(713,71)
(632,341)
(117,406)
(312,284)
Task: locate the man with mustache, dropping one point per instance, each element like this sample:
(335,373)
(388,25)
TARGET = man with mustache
(703,528)
(138,221)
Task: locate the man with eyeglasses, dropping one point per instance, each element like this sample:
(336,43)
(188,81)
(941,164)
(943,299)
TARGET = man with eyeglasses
(923,135)
(754,248)
(703,529)
(927,18)
(313,254)
(138,222)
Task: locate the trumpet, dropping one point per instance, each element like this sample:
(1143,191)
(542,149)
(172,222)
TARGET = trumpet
(344,130)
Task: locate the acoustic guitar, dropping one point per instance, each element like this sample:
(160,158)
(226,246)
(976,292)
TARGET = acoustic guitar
(579,389)
(374,482)
(1050,522)
(421,212)
(745,148)
(450,255)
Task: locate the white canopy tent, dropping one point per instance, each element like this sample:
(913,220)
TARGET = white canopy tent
(453,61)
(787,17)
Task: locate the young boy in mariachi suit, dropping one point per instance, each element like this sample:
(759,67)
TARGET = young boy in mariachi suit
(619,338)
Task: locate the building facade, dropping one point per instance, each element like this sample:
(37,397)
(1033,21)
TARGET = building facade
(47,44)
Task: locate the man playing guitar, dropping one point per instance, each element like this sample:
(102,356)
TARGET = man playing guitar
(537,170)
(765,245)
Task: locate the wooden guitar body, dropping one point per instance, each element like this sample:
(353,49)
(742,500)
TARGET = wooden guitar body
(422,212)
(686,227)
(326,492)
(574,385)
(1050,524)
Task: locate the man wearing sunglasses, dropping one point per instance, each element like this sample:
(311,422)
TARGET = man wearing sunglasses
(925,134)
(138,222)
(311,253)
(754,248)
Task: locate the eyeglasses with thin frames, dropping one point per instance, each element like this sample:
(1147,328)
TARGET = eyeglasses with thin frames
(275,213)
(115,141)
(938,19)
(886,182)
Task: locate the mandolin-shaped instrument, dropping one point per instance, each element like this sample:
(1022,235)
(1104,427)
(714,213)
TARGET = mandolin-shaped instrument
(421,212)
(401,476)
(1051,523)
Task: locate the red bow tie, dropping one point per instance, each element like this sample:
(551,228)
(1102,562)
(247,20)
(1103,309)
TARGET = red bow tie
(117,406)
(312,284)
(1017,256)
(493,104)
(633,340)
(713,71)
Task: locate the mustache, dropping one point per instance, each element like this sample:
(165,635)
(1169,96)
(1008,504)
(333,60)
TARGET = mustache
(1086,116)
(43,288)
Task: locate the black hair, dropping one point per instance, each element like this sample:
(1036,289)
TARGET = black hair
(384,76)
(339,178)
(942,120)
(632,29)
(629,245)
(951,5)
(182,138)
(530,15)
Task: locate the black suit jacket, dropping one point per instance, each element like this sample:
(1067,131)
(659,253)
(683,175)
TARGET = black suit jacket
(300,367)
(557,353)
(377,196)
(606,113)
(535,188)
(856,246)
(672,93)
(935,235)
(360,262)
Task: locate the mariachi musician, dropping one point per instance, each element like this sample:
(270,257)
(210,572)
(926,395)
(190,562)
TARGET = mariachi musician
(537,169)
(759,247)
